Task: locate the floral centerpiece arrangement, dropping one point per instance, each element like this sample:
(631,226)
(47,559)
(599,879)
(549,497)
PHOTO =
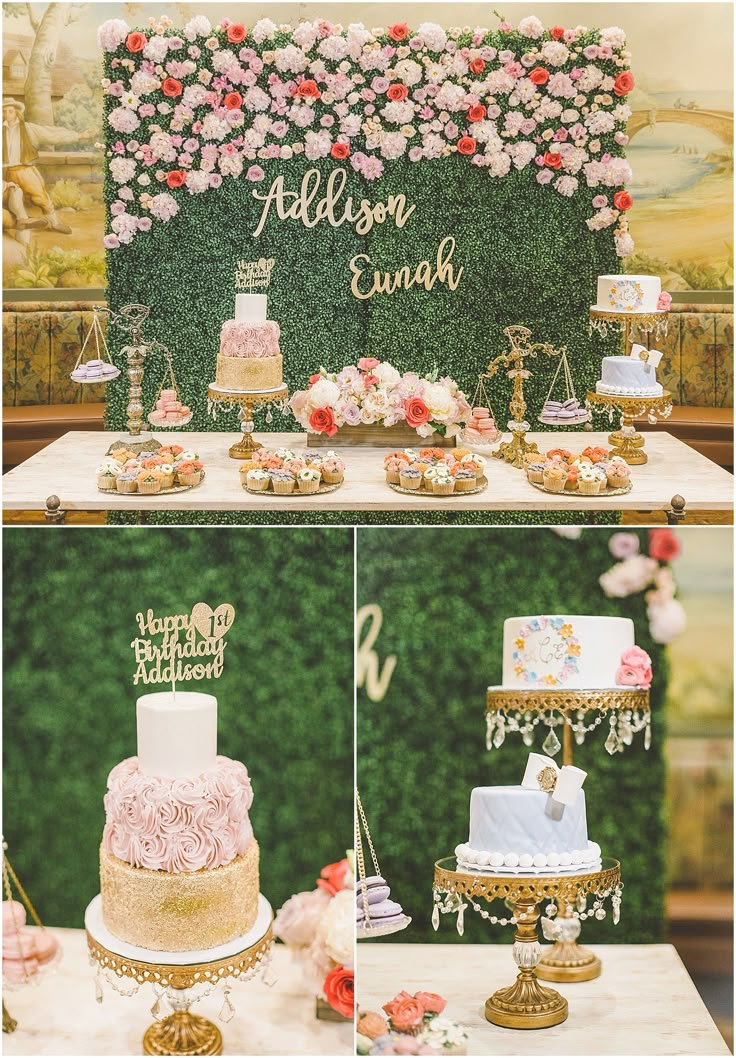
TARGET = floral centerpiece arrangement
(318,926)
(373,391)
(413,1025)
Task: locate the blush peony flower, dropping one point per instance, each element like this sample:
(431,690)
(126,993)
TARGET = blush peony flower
(297,921)
(667,620)
(635,669)
(632,575)
(111,34)
(621,545)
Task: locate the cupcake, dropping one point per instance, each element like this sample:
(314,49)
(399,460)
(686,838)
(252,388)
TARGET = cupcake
(458,453)
(284,453)
(589,483)
(127,481)
(248,464)
(618,475)
(149,482)
(479,461)
(410,477)
(333,470)
(166,470)
(283,482)
(563,454)
(555,476)
(187,456)
(107,476)
(465,479)
(571,483)
(308,480)
(596,454)
(393,466)
(535,470)
(189,472)
(257,480)
(443,484)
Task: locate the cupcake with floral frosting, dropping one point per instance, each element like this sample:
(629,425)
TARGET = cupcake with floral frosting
(107,475)
(410,477)
(555,476)
(127,482)
(308,480)
(589,482)
(149,482)
(618,475)
(283,482)
(392,466)
(333,470)
(257,480)
(535,471)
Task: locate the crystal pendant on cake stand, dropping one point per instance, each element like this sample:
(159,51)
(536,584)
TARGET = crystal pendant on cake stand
(627,323)
(513,711)
(627,442)
(247,403)
(179,978)
(525,1004)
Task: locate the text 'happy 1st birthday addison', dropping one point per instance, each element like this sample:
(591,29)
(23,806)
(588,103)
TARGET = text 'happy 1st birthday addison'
(192,645)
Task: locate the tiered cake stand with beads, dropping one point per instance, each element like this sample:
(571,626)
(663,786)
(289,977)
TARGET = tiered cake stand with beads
(181,978)
(520,712)
(525,1004)
(247,404)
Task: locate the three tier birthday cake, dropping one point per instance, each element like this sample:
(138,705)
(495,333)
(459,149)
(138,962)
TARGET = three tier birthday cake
(178,861)
(249,359)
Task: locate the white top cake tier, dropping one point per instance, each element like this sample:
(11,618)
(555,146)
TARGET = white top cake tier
(628,294)
(564,651)
(251,308)
(177,734)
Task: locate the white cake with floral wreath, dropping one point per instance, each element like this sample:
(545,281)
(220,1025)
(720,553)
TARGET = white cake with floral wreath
(250,358)
(631,294)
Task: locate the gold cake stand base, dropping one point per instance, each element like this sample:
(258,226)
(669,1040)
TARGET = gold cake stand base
(627,442)
(568,962)
(246,403)
(183,1033)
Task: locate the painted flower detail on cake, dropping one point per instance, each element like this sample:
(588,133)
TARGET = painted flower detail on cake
(625,296)
(635,669)
(560,645)
(178,825)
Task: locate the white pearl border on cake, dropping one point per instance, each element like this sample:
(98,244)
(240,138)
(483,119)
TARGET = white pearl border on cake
(624,391)
(540,863)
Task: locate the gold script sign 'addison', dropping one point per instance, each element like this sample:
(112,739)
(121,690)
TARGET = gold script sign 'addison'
(192,645)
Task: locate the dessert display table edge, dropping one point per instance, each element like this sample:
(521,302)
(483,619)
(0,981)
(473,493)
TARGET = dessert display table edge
(62,478)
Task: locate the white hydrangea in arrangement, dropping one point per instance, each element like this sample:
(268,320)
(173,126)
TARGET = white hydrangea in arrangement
(207,103)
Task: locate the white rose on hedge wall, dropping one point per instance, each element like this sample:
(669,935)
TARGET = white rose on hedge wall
(632,575)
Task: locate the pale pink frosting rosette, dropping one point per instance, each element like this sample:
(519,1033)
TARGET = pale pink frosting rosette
(250,339)
(178,825)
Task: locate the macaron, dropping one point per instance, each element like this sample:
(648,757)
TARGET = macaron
(480,413)
(14,916)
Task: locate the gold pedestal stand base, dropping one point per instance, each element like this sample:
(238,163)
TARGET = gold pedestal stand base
(526,1005)
(513,451)
(629,446)
(627,442)
(183,1033)
(244,449)
(568,962)
(246,403)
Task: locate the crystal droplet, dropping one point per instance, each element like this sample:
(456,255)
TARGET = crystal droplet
(551,744)
(99,994)
(500,734)
(156,1007)
(461,920)
(611,742)
(648,736)
(436,917)
(228,1010)
(490,725)
(527,734)
(600,913)
(269,417)
(579,735)
(616,902)
(581,901)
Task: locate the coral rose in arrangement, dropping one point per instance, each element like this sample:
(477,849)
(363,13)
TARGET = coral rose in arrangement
(308,90)
(236,33)
(477,112)
(399,31)
(135,42)
(334,876)
(322,420)
(233,100)
(339,989)
(417,412)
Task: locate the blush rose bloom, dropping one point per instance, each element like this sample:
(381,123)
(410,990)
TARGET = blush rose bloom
(339,990)
(663,545)
(322,420)
(635,669)
(417,412)
(667,620)
(367,363)
(297,921)
(621,545)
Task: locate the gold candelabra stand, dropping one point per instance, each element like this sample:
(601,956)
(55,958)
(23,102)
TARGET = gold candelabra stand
(525,1004)
(181,1032)
(627,442)
(522,349)
(521,711)
(247,404)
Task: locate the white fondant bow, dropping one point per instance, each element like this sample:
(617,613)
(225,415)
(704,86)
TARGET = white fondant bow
(649,356)
(562,784)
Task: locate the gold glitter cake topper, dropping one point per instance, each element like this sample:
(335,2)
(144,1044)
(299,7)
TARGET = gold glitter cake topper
(197,637)
(254,273)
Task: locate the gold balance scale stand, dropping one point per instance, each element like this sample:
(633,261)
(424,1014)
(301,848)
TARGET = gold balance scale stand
(521,711)
(247,404)
(181,1032)
(627,442)
(522,349)
(525,1004)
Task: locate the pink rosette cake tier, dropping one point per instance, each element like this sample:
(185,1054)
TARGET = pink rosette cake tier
(249,358)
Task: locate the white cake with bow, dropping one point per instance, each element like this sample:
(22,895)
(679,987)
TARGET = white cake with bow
(536,828)
(634,375)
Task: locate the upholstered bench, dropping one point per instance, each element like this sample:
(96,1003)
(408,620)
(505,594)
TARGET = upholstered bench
(30,427)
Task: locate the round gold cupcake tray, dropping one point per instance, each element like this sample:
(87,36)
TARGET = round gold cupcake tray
(181,1032)
(525,1004)
(608,491)
(153,495)
(322,490)
(481,486)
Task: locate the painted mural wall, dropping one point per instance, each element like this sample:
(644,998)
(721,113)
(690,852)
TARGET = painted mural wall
(681,131)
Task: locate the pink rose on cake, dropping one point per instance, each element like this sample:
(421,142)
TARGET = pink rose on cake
(635,669)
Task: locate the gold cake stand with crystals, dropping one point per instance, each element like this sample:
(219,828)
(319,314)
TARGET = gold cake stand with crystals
(521,711)
(181,1032)
(247,403)
(628,322)
(526,1004)
(627,442)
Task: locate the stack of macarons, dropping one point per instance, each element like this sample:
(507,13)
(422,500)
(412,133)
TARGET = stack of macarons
(563,411)
(25,948)
(383,913)
(481,427)
(169,410)
(95,371)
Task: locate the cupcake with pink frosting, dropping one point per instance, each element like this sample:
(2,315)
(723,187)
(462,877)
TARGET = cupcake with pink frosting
(333,470)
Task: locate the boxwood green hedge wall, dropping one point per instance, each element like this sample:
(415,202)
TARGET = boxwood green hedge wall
(422,749)
(285,698)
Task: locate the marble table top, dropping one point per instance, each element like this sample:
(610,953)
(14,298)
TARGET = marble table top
(644,1002)
(58,1015)
(66,468)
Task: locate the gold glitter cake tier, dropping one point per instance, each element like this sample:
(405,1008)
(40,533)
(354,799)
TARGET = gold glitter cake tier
(179,912)
(249,373)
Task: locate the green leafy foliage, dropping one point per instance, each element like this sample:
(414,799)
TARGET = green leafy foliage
(422,748)
(285,697)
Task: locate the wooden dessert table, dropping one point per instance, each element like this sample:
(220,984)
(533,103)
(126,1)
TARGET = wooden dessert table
(62,476)
(644,1002)
(59,1015)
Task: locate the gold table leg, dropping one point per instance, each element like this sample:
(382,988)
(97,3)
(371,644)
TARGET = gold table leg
(566,961)
(526,1004)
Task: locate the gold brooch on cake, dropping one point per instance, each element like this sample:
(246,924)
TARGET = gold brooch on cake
(547,779)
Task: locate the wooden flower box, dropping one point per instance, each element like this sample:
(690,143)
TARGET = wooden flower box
(379,436)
